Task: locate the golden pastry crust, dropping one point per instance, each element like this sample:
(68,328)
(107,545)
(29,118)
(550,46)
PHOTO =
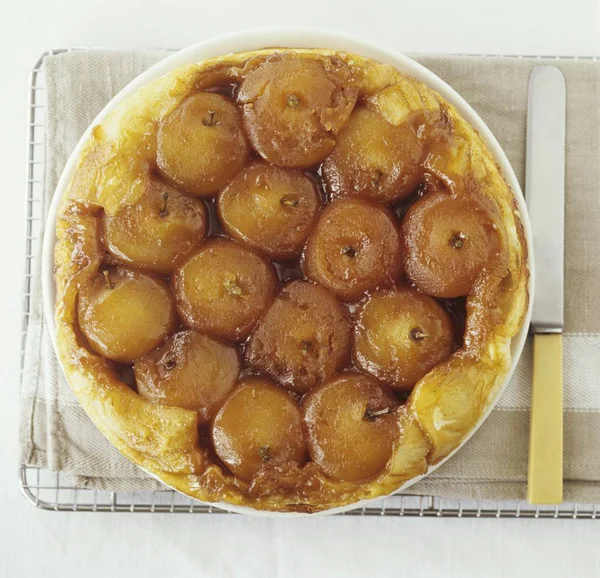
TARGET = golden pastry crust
(116,166)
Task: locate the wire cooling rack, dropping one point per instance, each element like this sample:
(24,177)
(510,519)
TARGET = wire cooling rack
(54,491)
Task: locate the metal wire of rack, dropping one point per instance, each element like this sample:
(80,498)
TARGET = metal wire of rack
(54,491)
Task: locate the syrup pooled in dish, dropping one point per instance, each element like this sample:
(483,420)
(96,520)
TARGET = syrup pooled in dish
(309,263)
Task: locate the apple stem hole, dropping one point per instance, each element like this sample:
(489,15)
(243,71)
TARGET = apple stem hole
(288,201)
(457,241)
(263,452)
(293,101)
(109,283)
(417,334)
(210,119)
(371,415)
(232,288)
(163,207)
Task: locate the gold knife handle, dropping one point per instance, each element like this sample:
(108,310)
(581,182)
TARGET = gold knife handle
(545,479)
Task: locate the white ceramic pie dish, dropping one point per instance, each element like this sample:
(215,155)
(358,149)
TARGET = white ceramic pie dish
(297,38)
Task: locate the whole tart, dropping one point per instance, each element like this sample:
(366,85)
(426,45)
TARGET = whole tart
(287,279)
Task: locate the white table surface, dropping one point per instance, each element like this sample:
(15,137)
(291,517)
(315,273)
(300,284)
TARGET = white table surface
(36,543)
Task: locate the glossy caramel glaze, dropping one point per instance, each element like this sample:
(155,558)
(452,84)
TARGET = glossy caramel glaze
(376,223)
(159,232)
(352,425)
(259,426)
(270,209)
(224,289)
(400,335)
(303,339)
(354,248)
(189,370)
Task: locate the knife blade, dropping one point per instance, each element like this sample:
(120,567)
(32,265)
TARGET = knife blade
(545,195)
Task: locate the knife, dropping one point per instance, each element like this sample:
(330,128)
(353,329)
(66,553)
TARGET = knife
(545,194)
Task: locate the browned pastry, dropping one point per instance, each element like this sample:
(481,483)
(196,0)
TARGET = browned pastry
(189,370)
(374,159)
(158,232)
(294,107)
(260,425)
(270,209)
(354,248)
(247,200)
(224,288)
(201,144)
(302,340)
(400,335)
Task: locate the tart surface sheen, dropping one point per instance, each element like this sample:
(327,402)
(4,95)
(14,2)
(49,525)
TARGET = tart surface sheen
(255,134)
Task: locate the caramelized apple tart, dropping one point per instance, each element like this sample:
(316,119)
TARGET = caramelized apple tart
(311,264)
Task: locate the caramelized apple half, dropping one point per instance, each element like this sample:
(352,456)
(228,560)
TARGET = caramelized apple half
(354,248)
(158,232)
(125,313)
(260,425)
(294,107)
(352,426)
(374,159)
(270,209)
(201,145)
(447,242)
(189,370)
(224,289)
(400,335)
(303,339)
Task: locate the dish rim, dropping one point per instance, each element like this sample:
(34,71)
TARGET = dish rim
(254,39)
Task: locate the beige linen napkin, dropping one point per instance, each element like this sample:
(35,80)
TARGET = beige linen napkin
(56,433)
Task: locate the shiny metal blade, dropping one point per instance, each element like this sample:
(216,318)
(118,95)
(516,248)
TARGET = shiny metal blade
(545,194)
